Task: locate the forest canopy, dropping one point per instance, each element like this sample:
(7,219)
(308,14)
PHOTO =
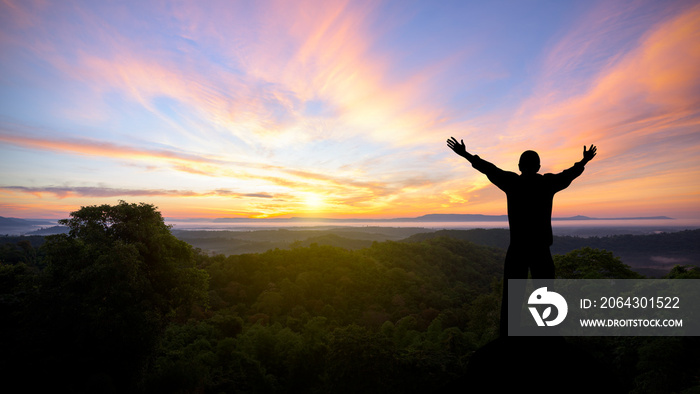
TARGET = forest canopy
(119,304)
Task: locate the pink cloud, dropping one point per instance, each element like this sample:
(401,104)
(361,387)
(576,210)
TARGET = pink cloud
(643,104)
(62,192)
(299,180)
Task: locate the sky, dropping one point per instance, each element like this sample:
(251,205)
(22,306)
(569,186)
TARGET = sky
(342,108)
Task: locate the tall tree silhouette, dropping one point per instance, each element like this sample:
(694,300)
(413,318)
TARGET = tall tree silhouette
(110,286)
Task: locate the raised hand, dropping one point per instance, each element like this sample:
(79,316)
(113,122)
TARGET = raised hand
(590,153)
(458,147)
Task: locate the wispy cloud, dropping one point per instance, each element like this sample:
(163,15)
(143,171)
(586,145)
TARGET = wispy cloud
(653,88)
(641,106)
(99,148)
(101,191)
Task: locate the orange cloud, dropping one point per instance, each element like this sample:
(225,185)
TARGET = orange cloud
(339,188)
(62,192)
(642,110)
(653,88)
(99,148)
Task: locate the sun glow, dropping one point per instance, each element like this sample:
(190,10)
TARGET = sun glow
(314,202)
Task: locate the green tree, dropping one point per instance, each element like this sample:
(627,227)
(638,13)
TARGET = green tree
(589,263)
(684,272)
(360,361)
(111,285)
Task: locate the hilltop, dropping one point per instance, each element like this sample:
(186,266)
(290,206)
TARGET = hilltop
(650,254)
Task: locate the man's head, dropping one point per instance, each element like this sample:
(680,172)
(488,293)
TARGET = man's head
(529,162)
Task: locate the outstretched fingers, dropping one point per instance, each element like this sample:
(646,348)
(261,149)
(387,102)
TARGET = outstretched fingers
(452,142)
(457,147)
(590,153)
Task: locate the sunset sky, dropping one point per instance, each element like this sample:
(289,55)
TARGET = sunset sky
(342,108)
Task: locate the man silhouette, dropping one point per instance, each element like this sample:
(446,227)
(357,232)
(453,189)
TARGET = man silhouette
(530,197)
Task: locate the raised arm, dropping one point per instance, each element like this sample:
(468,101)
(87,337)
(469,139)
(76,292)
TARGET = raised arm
(497,176)
(564,178)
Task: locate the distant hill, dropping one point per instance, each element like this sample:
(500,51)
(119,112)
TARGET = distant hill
(496,237)
(24,222)
(498,218)
(258,241)
(49,230)
(433,217)
(15,226)
(11,221)
(651,255)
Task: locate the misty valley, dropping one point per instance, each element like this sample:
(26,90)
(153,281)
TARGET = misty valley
(652,255)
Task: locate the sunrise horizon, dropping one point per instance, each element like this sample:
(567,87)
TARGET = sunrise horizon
(437,216)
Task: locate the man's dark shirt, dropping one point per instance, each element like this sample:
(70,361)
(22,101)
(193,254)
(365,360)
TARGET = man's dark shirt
(529,200)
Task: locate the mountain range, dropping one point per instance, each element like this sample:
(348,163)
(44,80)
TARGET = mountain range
(434,217)
(38,226)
